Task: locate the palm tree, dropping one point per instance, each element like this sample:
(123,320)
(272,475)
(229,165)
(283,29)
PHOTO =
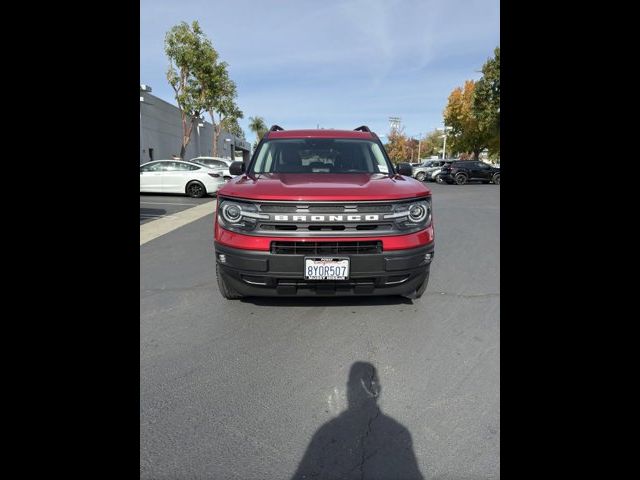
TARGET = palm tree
(258,126)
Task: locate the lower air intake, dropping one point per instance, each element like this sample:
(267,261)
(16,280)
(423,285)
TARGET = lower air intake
(326,248)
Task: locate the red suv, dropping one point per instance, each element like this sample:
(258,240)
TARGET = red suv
(322,212)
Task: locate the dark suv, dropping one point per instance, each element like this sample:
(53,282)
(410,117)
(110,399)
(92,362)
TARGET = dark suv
(464,171)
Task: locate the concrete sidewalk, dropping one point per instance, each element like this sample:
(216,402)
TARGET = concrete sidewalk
(164,225)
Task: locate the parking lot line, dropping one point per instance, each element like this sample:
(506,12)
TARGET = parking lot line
(166,224)
(162,203)
(144,215)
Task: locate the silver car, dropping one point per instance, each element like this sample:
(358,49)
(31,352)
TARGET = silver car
(426,169)
(216,163)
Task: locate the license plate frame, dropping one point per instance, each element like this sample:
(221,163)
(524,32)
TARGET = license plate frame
(341,265)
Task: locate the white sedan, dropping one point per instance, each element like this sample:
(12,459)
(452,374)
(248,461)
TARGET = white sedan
(178,176)
(216,163)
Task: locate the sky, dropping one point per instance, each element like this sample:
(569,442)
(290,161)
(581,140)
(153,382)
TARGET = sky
(333,63)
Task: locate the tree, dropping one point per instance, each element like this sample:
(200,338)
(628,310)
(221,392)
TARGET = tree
(234,128)
(412,145)
(398,147)
(486,101)
(220,100)
(184,46)
(467,133)
(431,144)
(258,126)
(200,82)
(473,112)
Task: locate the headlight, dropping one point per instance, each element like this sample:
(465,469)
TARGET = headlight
(231,212)
(417,213)
(239,216)
(412,215)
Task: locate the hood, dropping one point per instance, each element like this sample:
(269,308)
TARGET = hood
(324,187)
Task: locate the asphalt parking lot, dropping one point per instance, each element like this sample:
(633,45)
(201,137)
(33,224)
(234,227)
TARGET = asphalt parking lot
(252,389)
(158,205)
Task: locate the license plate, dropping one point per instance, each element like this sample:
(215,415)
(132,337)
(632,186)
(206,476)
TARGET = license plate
(326,268)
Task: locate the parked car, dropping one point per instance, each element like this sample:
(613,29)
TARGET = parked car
(425,169)
(436,175)
(178,176)
(216,163)
(464,171)
(323,212)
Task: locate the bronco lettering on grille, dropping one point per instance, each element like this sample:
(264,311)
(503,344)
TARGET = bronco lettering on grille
(326,218)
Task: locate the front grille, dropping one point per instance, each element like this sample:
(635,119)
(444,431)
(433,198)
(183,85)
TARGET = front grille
(333,220)
(326,208)
(326,248)
(309,227)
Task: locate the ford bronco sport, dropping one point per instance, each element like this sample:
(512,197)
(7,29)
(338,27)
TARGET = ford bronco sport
(322,212)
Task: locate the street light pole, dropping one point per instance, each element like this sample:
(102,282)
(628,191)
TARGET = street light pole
(444,147)
(419,141)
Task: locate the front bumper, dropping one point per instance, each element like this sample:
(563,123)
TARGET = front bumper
(259,273)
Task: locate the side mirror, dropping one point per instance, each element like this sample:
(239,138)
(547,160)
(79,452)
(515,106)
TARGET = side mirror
(236,168)
(405,169)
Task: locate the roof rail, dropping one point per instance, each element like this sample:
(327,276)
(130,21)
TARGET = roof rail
(362,128)
(275,128)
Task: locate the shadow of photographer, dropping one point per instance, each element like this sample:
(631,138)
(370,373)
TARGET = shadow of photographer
(362,442)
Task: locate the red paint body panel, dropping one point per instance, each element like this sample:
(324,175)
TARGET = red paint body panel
(330,187)
(248,242)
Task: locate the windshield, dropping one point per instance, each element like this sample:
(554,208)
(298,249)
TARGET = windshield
(320,155)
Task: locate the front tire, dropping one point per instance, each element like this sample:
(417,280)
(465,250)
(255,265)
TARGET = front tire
(227,291)
(439,179)
(195,189)
(496,179)
(420,176)
(461,179)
